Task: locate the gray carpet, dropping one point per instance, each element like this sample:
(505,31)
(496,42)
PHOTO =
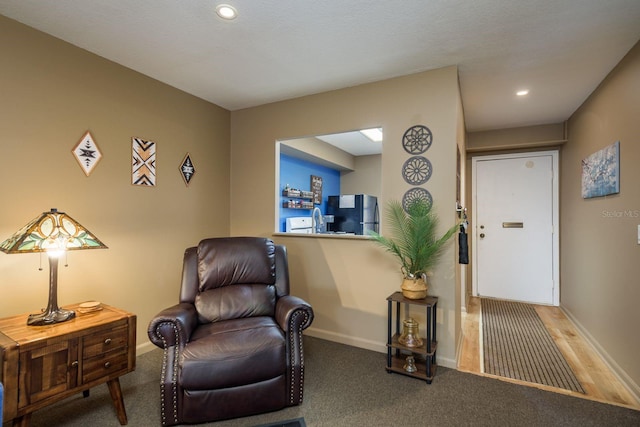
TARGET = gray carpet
(347,386)
(517,345)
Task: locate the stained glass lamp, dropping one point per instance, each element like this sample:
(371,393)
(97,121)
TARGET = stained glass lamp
(54,233)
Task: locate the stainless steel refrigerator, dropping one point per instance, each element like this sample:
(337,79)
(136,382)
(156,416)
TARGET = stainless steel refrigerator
(353,213)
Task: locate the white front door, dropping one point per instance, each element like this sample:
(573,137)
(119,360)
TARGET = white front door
(515,217)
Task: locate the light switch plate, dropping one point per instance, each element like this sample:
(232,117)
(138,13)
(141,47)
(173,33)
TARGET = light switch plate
(639,234)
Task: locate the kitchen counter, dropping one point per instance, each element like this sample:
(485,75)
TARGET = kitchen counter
(324,236)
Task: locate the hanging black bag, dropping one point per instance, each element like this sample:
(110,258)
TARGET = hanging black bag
(463,246)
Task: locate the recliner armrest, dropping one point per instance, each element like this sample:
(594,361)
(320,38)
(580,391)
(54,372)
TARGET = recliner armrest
(293,315)
(173,325)
(286,307)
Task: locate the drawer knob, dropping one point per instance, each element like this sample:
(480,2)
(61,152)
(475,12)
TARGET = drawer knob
(107,365)
(107,341)
(74,364)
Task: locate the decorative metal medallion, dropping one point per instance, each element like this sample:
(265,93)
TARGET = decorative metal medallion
(417,139)
(187,170)
(87,153)
(417,170)
(416,193)
(143,162)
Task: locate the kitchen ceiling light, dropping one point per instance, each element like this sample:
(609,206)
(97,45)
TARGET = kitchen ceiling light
(523,92)
(227,12)
(374,134)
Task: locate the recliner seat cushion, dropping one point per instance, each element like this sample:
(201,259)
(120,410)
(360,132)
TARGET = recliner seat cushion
(243,351)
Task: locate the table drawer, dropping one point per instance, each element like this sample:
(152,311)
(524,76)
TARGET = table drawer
(105,341)
(104,365)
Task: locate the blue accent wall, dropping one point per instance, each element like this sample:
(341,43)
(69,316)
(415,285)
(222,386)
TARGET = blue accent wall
(297,173)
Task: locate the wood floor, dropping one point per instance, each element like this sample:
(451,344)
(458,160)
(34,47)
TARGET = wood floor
(598,381)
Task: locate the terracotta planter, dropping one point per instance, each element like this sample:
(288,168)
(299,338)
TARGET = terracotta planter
(414,288)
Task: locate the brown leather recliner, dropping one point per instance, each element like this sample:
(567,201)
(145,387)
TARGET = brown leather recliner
(233,345)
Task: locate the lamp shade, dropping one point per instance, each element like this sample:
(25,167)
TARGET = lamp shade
(51,231)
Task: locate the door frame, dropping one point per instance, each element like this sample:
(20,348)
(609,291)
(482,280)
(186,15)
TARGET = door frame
(555,202)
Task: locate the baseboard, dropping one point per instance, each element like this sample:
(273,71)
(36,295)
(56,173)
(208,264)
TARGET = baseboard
(622,376)
(346,339)
(365,344)
(145,347)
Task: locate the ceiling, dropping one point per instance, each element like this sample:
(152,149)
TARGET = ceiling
(275,50)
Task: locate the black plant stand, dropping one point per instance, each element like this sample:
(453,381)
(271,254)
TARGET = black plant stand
(425,355)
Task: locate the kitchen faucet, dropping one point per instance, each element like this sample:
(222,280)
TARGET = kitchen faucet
(317,224)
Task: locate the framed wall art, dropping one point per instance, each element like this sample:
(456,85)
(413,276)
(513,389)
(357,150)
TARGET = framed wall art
(316,189)
(143,162)
(87,153)
(601,172)
(187,169)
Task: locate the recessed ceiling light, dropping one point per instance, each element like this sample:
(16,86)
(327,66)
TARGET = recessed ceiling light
(522,92)
(226,11)
(374,134)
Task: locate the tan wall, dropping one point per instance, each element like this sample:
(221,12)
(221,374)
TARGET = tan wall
(365,179)
(319,152)
(52,93)
(599,237)
(347,281)
(517,138)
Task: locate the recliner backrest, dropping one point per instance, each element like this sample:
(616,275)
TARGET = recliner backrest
(236,278)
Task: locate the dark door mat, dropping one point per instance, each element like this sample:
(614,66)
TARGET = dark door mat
(298,422)
(517,345)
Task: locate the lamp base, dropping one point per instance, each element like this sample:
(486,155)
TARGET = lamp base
(50,317)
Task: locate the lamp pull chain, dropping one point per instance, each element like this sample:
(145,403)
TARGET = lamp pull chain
(66,260)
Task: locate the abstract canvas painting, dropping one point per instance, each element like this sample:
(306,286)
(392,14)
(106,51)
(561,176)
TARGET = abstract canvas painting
(601,172)
(143,162)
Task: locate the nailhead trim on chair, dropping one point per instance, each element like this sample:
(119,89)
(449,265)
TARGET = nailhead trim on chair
(174,390)
(292,335)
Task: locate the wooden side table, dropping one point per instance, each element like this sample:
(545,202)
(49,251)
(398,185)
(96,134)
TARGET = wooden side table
(44,364)
(426,353)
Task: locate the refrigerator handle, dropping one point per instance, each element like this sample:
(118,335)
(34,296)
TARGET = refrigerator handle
(376,219)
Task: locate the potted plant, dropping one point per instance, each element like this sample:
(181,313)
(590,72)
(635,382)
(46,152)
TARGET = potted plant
(414,243)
